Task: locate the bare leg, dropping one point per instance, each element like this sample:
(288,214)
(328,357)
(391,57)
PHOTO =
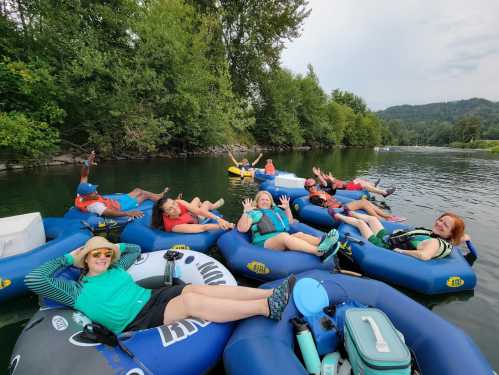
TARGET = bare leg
(196,202)
(142,195)
(212,309)
(372,189)
(284,241)
(361,205)
(363,228)
(307,237)
(228,292)
(372,221)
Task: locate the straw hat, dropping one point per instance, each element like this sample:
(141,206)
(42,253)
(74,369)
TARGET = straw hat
(94,243)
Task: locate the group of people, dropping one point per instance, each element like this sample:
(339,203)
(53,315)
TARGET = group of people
(107,294)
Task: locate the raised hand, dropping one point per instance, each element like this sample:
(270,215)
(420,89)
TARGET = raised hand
(316,171)
(284,199)
(330,177)
(248,204)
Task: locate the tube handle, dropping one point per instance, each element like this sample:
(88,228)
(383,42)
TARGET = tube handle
(381,345)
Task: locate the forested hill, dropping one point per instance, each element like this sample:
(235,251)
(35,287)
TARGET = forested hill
(485,110)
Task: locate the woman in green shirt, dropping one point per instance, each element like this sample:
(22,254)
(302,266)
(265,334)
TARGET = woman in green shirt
(107,294)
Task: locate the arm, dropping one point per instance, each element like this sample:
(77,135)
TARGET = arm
(42,281)
(85,169)
(233,159)
(194,228)
(245,222)
(257,160)
(426,250)
(129,254)
(117,213)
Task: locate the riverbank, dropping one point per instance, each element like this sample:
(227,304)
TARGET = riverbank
(72,156)
(483,144)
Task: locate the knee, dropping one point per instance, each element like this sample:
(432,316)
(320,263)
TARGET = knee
(297,234)
(372,220)
(189,289)
(361,225)
(190,301)
(136,191)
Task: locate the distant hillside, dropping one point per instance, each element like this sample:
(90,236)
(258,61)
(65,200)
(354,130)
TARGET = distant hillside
(487,111)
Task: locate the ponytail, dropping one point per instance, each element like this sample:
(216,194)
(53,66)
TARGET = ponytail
(157,212)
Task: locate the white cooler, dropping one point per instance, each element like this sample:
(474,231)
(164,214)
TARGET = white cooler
(21,233)
(289,181)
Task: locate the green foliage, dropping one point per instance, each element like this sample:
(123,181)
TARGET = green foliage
(25,137)
(350,100)
(467,129)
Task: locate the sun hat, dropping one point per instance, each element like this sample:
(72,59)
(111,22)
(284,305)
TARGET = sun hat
(86,188)
(94,243)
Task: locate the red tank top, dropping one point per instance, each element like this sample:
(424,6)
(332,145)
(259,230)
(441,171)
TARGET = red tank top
(185,217)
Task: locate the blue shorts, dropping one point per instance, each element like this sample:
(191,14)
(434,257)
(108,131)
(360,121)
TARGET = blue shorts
(126,202)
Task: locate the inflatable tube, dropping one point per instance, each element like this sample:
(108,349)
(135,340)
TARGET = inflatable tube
(62,236)
(447,275)
(51,341)
(95,220)
(261,176)
(149,239)
(316,215)
(263,347)
(235,171)
(264,264)
(295,193)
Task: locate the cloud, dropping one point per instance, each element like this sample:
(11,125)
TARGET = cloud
(392,52)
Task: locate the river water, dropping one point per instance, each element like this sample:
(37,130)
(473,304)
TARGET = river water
(428,180)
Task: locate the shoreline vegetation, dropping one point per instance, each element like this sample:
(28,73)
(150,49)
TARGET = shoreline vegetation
(136,79)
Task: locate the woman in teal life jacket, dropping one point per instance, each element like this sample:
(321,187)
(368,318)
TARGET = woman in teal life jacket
(424,244)
(107,294)
(268,225)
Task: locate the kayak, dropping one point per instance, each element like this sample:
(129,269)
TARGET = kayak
(235,171)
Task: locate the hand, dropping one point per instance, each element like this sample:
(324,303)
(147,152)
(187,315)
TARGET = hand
(179,196)
(91,159)
(284,199)
(465,237)
(331,178)
(224,224)
(76,252)
(135,214)
(400,251)
(248,205)
(316,171)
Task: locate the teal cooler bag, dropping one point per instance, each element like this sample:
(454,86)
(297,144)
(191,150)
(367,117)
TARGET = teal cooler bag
(373,344)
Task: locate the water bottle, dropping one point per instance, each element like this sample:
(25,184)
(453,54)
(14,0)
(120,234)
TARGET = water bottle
(307,346)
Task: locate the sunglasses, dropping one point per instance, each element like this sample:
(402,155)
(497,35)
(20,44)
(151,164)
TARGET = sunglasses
(99,253)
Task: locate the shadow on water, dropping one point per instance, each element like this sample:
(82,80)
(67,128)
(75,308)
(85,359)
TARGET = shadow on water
(429,181)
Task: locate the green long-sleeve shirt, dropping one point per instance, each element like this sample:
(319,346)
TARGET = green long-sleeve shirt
(112,298)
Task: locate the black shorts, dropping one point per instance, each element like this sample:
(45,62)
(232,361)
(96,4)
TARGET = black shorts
(152,314)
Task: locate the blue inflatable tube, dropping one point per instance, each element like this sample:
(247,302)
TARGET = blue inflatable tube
(62,236)
(261,176)
(295,193)
(316,215)
(447,275)
(264,264)
(260,346)
(95,220)
(141,233)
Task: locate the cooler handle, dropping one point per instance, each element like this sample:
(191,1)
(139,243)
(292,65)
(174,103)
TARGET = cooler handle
(381,345)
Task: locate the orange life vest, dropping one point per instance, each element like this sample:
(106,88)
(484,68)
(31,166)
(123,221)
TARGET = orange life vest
(330,202)
(270,169)
(82,204)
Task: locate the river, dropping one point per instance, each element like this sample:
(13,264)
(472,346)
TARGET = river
(428,180)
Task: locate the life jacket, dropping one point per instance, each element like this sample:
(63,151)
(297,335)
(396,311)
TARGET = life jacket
(270,169)
(403,239)
(330,202)
(273,220)
(82,204)
(185,217)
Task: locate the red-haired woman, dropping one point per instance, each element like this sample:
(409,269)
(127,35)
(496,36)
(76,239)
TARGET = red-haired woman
(425,244)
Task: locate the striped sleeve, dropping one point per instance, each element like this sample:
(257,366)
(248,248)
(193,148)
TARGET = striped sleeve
(129,254)
(42,281)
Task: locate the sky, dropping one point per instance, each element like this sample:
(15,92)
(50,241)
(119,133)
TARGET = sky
(393,52)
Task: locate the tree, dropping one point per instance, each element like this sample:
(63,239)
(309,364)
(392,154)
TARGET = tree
(350,100)
(467,129)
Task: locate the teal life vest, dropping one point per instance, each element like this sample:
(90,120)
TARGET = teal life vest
(272,220)
(409,239)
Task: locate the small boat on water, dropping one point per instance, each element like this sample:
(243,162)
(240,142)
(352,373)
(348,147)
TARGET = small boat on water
(52,342)
(260,346)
